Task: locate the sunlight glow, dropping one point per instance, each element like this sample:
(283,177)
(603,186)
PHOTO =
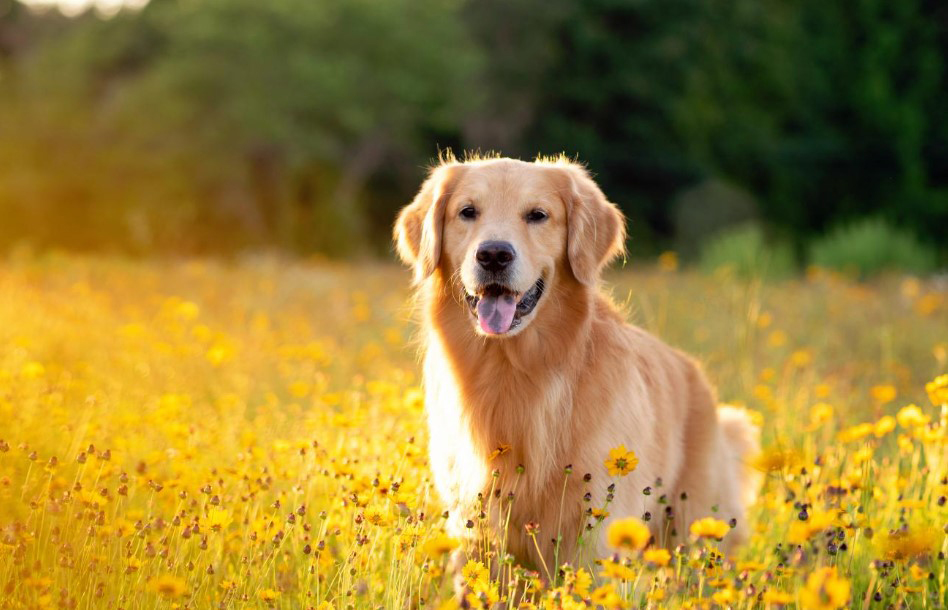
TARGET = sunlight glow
(73,8)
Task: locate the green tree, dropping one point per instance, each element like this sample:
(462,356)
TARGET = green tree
(265,118)
(822,111)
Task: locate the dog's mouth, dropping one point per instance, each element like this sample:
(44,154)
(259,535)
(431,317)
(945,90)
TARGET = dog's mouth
(499,310)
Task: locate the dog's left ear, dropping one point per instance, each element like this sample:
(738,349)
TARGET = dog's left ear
(420,224)
(595,227)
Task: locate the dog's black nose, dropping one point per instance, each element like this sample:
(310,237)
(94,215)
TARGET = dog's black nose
(495,255)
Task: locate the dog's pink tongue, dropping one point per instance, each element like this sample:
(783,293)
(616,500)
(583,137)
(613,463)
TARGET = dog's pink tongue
(496,313)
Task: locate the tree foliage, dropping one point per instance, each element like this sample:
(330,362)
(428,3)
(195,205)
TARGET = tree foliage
(220,124)
(265,120)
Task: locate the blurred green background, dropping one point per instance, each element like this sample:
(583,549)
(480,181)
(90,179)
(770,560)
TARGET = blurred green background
(806,129)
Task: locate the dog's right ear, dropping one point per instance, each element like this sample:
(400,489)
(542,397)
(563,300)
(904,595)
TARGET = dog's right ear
(420,224)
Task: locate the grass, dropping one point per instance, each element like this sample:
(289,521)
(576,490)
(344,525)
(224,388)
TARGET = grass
(202,434)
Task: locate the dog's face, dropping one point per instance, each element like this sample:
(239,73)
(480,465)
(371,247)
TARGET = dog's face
(504,233)
(501,232)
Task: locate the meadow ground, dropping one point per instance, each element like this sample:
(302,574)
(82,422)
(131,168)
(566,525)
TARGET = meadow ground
(198,434)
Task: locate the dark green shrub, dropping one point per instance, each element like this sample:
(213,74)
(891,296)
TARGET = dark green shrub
(870,246)
(747,253)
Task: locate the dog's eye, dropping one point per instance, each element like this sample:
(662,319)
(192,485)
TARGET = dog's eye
(536,215)
(468,212)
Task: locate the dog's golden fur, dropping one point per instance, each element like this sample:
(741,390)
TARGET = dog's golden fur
(569,383)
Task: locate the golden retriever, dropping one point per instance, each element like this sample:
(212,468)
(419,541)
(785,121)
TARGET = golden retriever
(530,373)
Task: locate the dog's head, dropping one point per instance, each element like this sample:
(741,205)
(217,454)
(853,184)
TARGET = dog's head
(501,233)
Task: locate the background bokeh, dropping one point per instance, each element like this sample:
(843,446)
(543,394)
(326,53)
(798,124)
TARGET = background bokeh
(217,126)
(210,394)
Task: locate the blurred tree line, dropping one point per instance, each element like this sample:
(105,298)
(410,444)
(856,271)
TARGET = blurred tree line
(214,125)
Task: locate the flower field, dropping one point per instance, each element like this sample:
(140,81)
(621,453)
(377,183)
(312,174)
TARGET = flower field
(251,434)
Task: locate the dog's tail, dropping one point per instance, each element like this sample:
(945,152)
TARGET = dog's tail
(742,438)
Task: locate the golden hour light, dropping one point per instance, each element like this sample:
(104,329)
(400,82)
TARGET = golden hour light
(443,304)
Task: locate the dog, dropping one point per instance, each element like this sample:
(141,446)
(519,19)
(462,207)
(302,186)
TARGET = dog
(532,376)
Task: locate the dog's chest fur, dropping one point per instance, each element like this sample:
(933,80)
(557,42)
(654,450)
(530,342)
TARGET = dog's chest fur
(518,423)
(516,449)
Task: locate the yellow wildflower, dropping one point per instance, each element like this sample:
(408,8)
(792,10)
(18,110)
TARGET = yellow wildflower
(606,597)
(219,353)
(824,590)
(500,450)
(863,455)
(168,586)
(884,393)
(659,557)
(911,417)
(855,433)
(908,544)
(725,596)
(906,445)
(621,461)
(801,531)
(777,338)
(801,357)
(300,389)
(32,370)
(937,390)
(885,425)
(774,460)
(932,434)
(218,519)
(820,413)
(185,310)
(439,545)
(581,582)
(616,570)
(376,516)
(763,392)
(484,594)
(629,534)
(474,572)
(772,596)
(599,514)
(709,527)
(929,304)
